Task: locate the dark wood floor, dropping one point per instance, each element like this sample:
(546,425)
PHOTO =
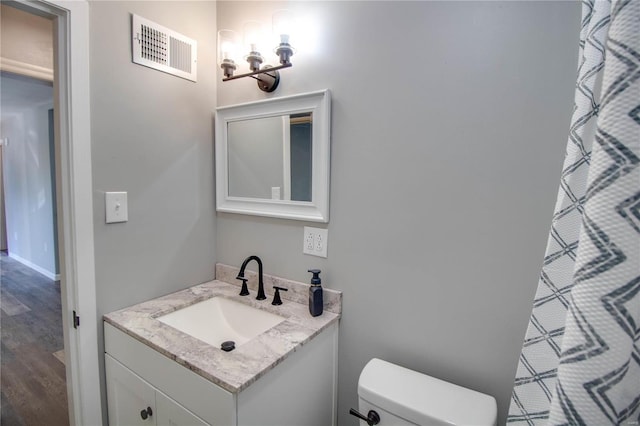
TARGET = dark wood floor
(32,373)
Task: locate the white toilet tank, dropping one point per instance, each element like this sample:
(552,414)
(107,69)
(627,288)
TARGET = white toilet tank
(405,397)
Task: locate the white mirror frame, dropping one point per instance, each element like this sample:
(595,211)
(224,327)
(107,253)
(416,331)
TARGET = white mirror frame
(317,210)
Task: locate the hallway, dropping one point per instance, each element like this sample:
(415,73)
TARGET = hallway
(32,372)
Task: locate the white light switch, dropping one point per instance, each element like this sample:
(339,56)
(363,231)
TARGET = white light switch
(116,203)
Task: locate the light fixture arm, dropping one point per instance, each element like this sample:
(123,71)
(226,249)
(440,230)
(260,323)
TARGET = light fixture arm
(265,69)
(268,77)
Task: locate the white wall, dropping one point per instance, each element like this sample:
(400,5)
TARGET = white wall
(28,179)
(448,131)
(152,137)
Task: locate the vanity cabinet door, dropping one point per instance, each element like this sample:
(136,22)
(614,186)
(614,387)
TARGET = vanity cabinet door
(188,391)
(130,400)
(170,413)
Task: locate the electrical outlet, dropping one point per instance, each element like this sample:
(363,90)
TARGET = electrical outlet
(275,192)
(315,241)
(308,241)
(318,242)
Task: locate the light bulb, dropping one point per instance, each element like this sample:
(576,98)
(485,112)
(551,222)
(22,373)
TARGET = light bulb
(253,36)
(227,51)
(227,45)
(282,29)
(282,26)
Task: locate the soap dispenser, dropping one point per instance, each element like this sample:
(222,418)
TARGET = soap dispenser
(315,294)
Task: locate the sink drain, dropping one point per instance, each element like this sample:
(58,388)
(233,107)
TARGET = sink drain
(227,346)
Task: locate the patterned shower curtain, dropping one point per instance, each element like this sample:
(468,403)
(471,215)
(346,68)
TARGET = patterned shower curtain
(580,361)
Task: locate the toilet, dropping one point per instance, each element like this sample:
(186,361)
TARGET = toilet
(399,396)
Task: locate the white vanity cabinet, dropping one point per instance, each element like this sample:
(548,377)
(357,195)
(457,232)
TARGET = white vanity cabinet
(132,401)
(300,390)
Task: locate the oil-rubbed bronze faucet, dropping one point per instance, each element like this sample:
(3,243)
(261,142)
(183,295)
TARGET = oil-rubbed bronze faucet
(245,291)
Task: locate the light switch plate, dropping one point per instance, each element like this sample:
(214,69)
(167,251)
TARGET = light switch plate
(116,205)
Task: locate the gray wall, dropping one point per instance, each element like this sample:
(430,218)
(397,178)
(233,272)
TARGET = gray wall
(27,174)
(255,150)
(152,137)
(445,166)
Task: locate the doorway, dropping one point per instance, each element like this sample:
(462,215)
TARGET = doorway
(32,373)
(74,201)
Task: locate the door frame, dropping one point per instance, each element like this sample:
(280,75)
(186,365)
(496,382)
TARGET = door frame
(75,202)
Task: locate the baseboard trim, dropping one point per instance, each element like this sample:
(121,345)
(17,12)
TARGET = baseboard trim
(35,267)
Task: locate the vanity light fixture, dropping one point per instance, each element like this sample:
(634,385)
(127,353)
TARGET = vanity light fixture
(267,76)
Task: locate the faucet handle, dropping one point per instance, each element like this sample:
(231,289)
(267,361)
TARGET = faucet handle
(244,291)
(276,296)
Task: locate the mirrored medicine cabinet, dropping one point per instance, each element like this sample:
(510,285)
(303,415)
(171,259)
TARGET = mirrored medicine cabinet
(272,157)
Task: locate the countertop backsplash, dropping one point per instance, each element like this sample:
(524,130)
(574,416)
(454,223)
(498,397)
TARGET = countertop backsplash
(297,292)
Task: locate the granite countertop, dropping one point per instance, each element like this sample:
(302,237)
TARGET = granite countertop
(235,370)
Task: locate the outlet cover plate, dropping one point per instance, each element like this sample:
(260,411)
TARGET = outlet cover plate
(314,241)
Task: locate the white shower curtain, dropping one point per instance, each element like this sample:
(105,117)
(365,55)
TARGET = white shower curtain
(580,361)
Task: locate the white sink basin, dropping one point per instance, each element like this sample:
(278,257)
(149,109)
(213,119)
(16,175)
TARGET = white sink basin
(217,320)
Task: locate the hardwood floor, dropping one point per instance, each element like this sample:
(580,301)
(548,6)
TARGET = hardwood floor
(32,375)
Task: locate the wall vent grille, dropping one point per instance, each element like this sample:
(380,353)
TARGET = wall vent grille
(160,48)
